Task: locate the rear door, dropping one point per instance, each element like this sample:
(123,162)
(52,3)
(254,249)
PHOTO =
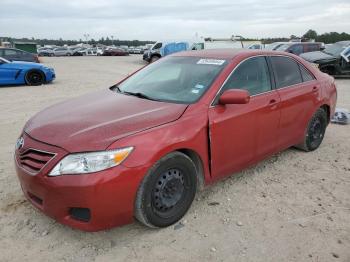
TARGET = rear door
(241,134)
(300,94)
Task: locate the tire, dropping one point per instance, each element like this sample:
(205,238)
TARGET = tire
(34,78)
(154,58)
(167,191)
(315,131)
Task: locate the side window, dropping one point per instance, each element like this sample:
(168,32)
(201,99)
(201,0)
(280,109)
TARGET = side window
(252,75)
(10,52)
(306,75)
(313,47)
(286,71)
(296,49)
(197,46)
(346,54)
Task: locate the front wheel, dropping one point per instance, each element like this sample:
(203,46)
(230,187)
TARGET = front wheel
(34,78)
(315,131)
(167,191)
(154,58)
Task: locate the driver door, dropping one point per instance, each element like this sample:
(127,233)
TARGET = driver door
(241,134)
(7,75)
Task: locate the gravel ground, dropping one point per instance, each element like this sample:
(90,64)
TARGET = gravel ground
(294,206)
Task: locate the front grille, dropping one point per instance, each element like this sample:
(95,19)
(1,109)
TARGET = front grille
(34,160)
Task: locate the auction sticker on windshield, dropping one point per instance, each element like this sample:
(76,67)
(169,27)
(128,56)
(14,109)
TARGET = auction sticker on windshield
(210,62)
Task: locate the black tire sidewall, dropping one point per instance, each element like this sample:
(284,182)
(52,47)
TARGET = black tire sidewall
(188,168)
(31,72)
(322,116)
(154,58)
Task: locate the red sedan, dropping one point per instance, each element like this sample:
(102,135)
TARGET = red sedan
(145,146)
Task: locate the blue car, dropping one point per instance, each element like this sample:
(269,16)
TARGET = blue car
(18,73)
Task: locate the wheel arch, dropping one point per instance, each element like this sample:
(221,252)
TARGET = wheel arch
(195,157)
(327,109)
(35,70)
(156,54)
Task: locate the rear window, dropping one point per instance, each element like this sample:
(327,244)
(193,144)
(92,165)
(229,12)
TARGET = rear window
(306,75)
(296,49)
(313,47)
(11,52)
(287,72)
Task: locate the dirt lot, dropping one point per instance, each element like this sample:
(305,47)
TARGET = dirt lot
(294,206)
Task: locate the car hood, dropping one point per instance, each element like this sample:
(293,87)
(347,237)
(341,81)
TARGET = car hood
(94,121)
(316,56)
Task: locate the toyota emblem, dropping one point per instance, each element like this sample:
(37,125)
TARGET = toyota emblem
(19,143)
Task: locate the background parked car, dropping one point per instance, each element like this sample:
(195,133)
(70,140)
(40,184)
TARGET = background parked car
(300,47)
(99,51)
(63,51)
(115,52)
(77,51)
(255,46)
(19,73)
(333,60)
(13,54)
(45,52)
(274,45)
(164,48)
(137,50)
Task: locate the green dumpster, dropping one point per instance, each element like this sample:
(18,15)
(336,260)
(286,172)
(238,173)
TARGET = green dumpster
(26,46)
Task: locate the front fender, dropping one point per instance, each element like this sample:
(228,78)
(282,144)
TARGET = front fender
(188,132)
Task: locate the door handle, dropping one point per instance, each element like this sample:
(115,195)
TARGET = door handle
(272,102)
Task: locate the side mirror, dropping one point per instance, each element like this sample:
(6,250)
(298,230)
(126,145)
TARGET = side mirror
(234,96)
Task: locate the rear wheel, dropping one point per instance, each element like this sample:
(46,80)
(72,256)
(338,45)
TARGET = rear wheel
(34,78)
(315,131)
(167,191)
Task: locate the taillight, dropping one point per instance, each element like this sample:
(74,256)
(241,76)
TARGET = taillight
(37,58)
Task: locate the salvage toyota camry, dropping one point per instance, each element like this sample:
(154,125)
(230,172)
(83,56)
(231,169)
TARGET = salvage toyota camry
(142,148)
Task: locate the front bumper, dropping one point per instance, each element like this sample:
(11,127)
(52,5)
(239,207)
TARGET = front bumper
(146,57)
(50,75)
(109,195)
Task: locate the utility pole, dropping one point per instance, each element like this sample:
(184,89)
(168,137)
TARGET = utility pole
(112,40)
(86,37)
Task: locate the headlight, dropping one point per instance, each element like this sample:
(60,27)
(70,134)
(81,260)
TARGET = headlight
(85,163)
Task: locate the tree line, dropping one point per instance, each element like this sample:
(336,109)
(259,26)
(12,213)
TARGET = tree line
(61,42)
(326,38)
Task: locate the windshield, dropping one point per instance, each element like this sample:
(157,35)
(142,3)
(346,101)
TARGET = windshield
(273,46)
(283,47)
(335,49)
(174,79)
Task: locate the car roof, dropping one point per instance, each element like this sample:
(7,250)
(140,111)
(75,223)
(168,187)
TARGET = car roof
(343,42)
(301,43)
(226,53)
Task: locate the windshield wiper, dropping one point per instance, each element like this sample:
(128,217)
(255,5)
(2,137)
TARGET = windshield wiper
(138,94)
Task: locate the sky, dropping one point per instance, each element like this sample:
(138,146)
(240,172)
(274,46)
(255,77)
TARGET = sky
(163,19)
